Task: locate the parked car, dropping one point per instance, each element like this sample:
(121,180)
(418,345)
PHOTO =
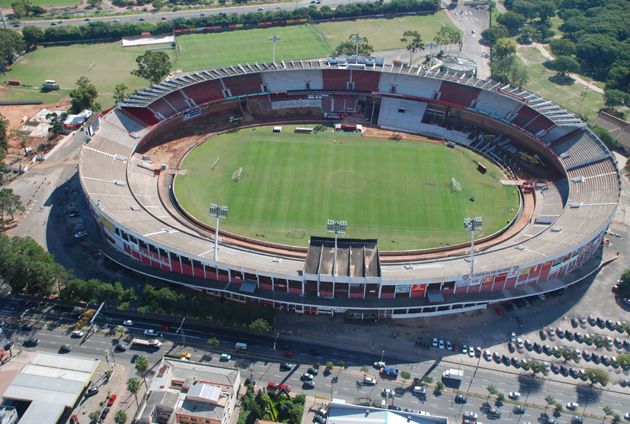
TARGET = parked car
(387,393)
(313,371)
(306,377)
(77,334)
(572,405)
(471,415)
(285,366)
(65,348)
(514,395)
(369,381)
(379,364)
(225,357)
(519,409)
(308,385)
(112,399)
(91,391)
(460,398)
(128,322)
(150,332)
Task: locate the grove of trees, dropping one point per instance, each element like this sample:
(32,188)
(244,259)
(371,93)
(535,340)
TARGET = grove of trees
(153,66)
(261,405)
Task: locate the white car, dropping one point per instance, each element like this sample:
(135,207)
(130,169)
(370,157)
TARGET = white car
(150,332)
(519,343)
(379,364)
(128,322)
(471,415)
(387,393)
(449,345)
(383,403)
(487,354)
(419,390)
(307,377)
(471,352)
(512,336)
(435,342)
(572,405)
(369,381)
(441,344)
(77,333)
(514,395)
(225,357)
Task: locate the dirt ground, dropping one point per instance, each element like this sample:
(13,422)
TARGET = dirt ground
(17,115)
(395,135)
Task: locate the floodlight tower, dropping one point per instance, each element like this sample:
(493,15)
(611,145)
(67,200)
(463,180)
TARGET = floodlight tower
(356,38)
(337,227)
(219,212)
(472,225)
(274,39)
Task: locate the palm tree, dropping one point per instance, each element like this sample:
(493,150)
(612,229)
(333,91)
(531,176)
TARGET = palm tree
(133,386)
(413,43)
(142,366)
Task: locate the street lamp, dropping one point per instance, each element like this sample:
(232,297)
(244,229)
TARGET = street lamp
(274,39)
(356,38)
(219,212)
(472,225)
(337,227)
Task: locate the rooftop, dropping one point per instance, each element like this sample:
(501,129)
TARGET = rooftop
(345,413)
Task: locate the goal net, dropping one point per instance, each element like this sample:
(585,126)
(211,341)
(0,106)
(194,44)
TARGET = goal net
(455,185)
(296,233)
(236,175)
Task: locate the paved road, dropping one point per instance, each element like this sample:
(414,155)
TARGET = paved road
(168,16)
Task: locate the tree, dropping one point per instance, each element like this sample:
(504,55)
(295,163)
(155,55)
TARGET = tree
(491,35)
(120,417)
(120,92)
(624,361)
(157,4)
(93,416)
(84,96)
(545,10)
(596,375)
(512,21)
(613,98)
(550,400)
(329,366)
(562,47)
(413,43)
(535,366)
(564,65)
(32,34)
(133,386)
(492,390)
(95,3)
(503,48)
(11,45)
(447,35)
(23,8)
(213,341)
(359,46)
(500,398)
(427,379)
(56,123)
(10,203)
(608,410)
(142,365)
(341,364)
(365,370)
(4,137)
(405,376)
(260,326)
(509,70)
(439,386)
(624,283)
(153,66)
(107,374)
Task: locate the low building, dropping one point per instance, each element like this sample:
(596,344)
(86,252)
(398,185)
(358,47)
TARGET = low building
(49,387)
(346,413)
(185,392)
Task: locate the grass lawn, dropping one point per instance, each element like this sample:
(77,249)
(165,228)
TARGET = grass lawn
(199,51)
(574,97)
(6,4)
(18,94)
(398,192)
(384,34)
(105,64)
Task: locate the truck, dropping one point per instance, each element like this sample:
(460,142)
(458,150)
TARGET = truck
(146,344)
(389,371)
(240,346)
(453,376)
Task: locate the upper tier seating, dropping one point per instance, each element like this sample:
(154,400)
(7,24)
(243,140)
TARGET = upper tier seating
(244,84)
(365,80)
(142,114)
(458,93)
(177,101)
(539,124)
(556,132)
(524,116)
(495,104)
(280,81)
(409,85)
(400,114)
(580,150)
(336,79)
(204,92)
(162,109)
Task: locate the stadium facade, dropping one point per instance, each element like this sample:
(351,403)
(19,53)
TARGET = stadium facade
(557,244)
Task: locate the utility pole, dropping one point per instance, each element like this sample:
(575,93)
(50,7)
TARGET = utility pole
(356,38)
(180,330)
(274,39)
(337,227)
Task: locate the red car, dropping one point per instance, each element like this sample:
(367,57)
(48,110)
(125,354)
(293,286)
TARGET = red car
(74,419)
(286,387)
(111,400)
(272,385)
(288,354)
(275,386)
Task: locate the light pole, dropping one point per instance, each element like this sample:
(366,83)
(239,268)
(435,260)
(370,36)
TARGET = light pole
(337,227)
(356,38)
(472,225)
(180,330)
(382,355)
(275,339)
(274,39)
(219,212)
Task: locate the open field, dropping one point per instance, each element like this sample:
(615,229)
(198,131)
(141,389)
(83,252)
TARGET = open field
(574,97)
(6,4)
(399,192)
(107,64)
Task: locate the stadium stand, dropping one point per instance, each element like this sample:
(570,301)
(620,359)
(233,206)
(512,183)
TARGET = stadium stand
(457,93)
(366,81)
(400,114)
(409,85)
(244,84)
(495,104)
(204,92)
(147,234)
(336,80)
(282,81)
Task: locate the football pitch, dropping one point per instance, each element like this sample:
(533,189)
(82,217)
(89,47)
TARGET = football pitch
(399,192)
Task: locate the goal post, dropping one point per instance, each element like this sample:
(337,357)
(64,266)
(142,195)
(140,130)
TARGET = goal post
(455,185)
(236,175)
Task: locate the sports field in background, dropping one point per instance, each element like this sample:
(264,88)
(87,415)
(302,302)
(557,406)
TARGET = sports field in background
(107,64)
(6,4)
(399,192)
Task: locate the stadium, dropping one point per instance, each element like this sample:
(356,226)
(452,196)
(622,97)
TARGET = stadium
(409,157)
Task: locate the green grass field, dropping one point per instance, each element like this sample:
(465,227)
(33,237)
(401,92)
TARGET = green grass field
(398,192)
(574,97)
(107,64)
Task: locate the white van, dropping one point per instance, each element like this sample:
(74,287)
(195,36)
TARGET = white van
(240,346)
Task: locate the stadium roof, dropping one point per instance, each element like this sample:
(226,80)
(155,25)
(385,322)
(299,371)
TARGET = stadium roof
(552,111)
(344,413)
